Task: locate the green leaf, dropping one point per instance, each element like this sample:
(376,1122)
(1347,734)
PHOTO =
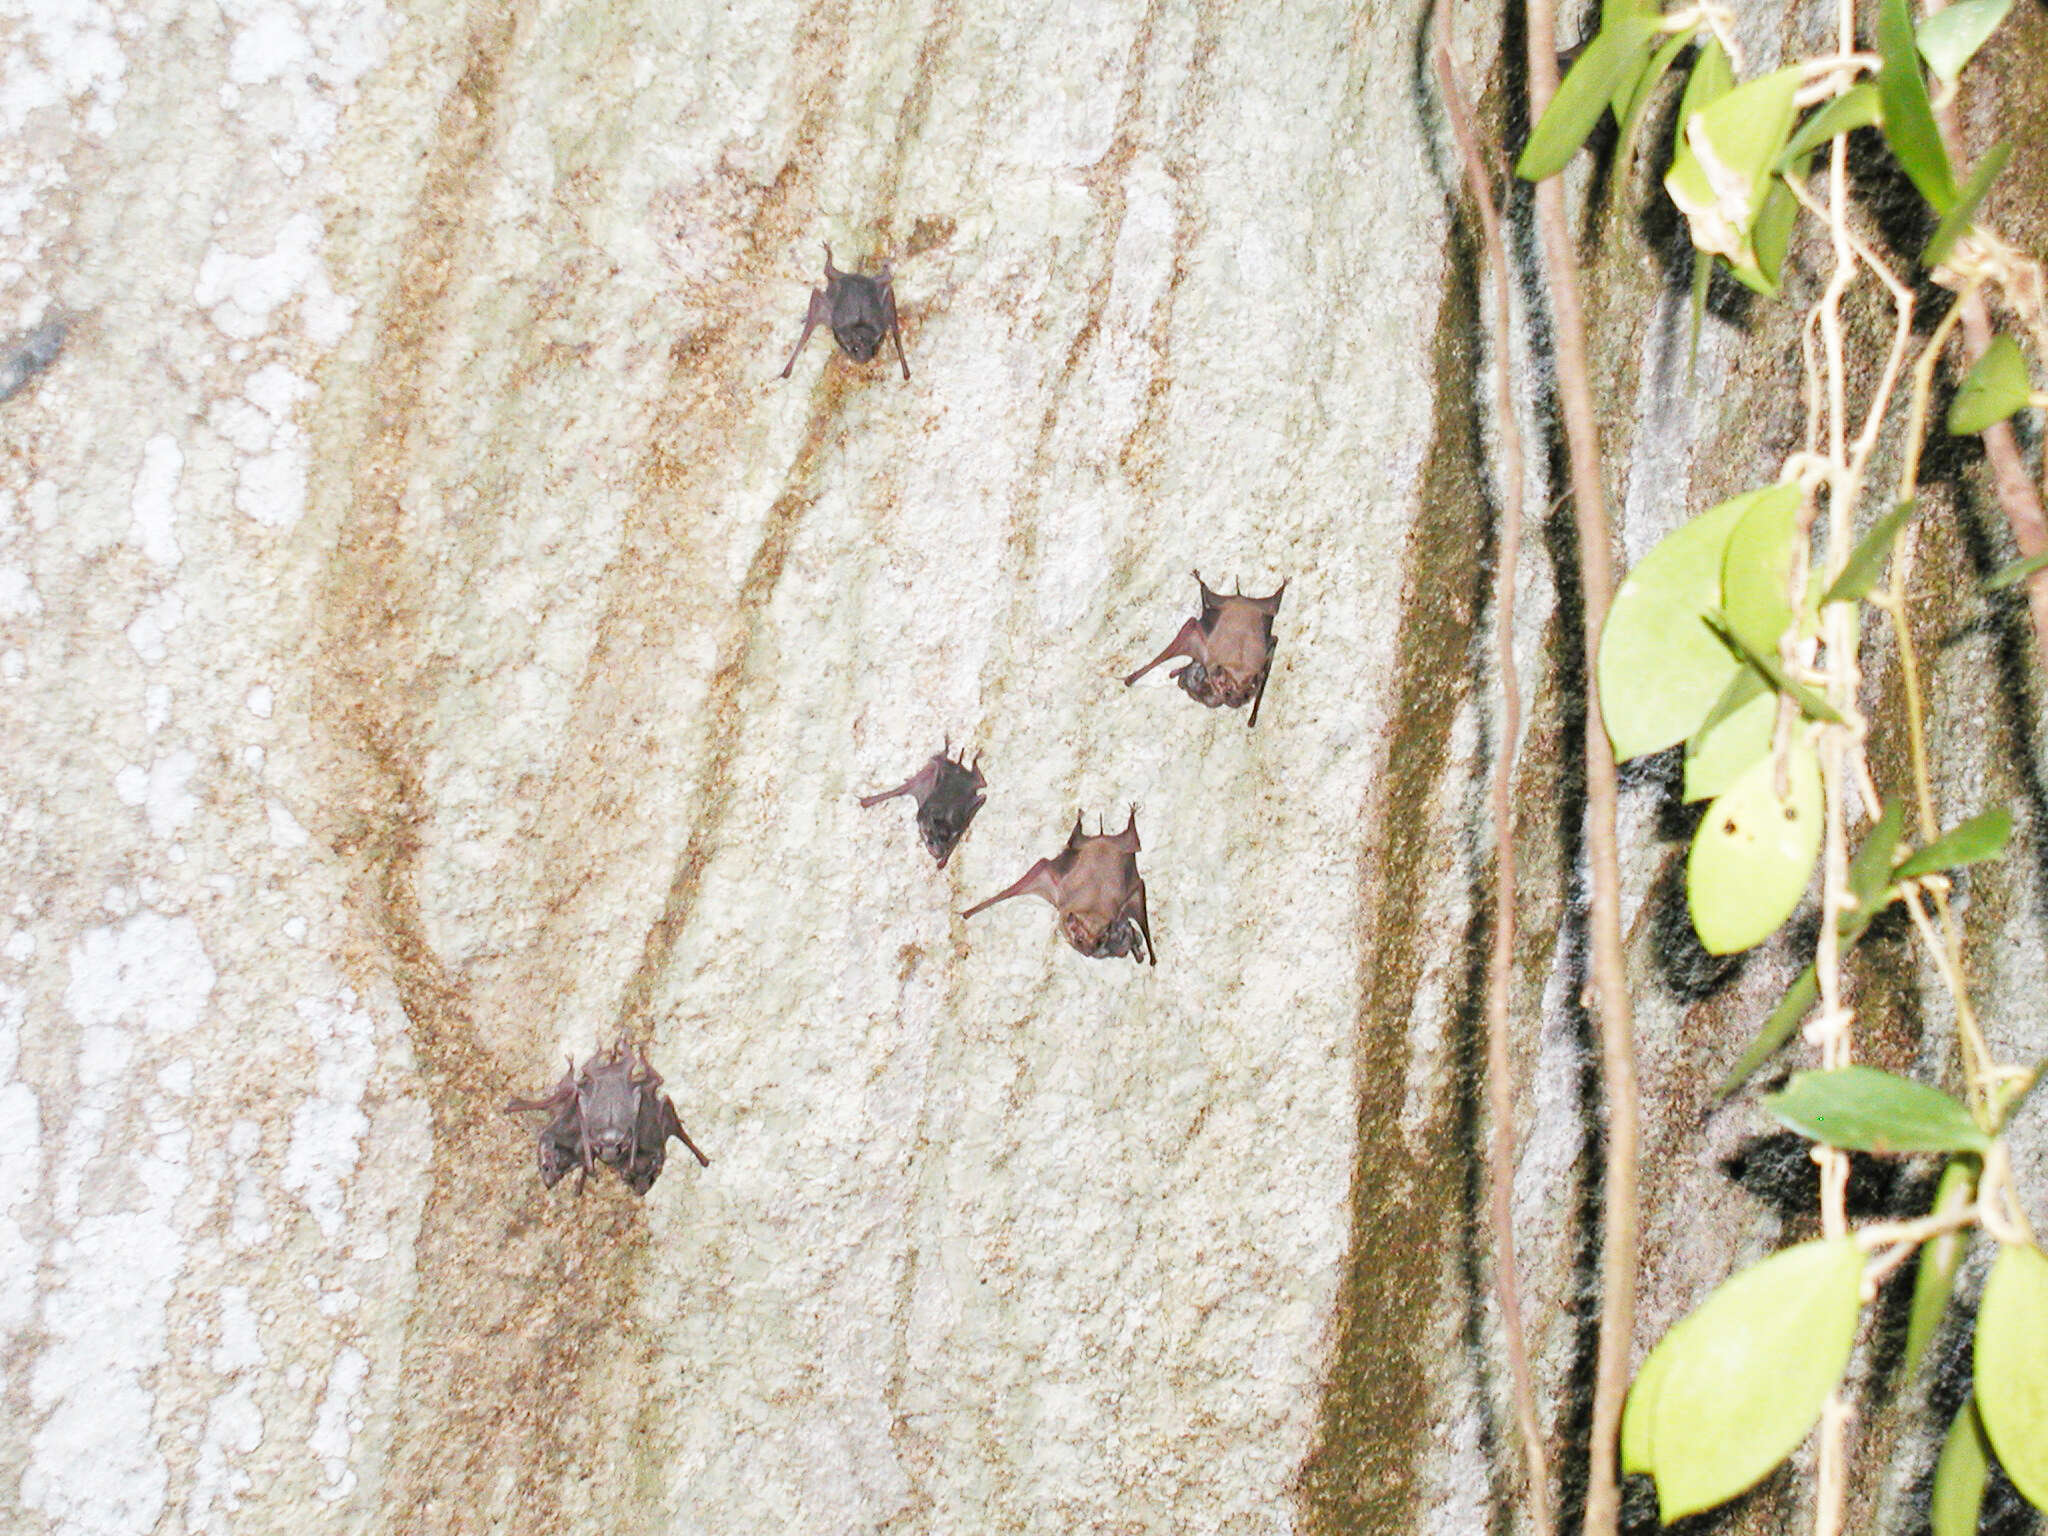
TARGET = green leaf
(1757,568)
(1797,1002)
(1636,1413)
(1772,237)
(1585,93)
(1736,732)
(1949,37)
(1974,841)
(1816,707)
(1866,560)
(1908,118)
(1959,1474)
(1754,853)
(2015,571)
(1994,389)
(1870,872)
(1661,669)
(1869,880)
(1855,108)
(1712,78)
(1940,1258)
(2012,1366)
(1702,280)
(1741,1381)
(1722,172)
(1861,1109)
(1957,221)
(1645,88)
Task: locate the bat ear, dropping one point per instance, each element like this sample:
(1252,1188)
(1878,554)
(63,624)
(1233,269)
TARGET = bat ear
(1076,837)
(830,270)
(1269,605)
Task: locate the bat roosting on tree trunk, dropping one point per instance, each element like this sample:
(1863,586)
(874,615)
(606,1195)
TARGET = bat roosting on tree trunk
(860,310)
(1229,650)
(945,791)
(611,1112)
(1094,883)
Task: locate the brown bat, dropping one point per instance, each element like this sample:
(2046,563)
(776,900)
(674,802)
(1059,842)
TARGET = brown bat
(946,800)
(1095,884)
(611,1112)
(1229,650)
(860,310)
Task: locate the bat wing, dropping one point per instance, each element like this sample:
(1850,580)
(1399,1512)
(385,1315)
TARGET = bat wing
(920,784)
(1042,879)
(1134,908)
(1188,643)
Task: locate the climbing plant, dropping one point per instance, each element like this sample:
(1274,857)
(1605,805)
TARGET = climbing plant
(1738,638)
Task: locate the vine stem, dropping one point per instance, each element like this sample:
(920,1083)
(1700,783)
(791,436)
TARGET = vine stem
(1500,1089)
(1839,624)
(1618,1257)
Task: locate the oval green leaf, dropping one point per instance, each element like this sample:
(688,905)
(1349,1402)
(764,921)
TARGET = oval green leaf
(2012,1366)
(1861,1109)
(1743,1378)
(1981,838)
(1757,568)
(1722,172)
(1661,668)
(1585,93)
(1736,734)
(1940,1258)
(1754,853)
(1949,37)
(1959,1474)
(1908,118)
(1994,389)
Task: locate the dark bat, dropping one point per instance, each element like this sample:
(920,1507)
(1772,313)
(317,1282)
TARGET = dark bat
(946,801)
(860,310)
(1095,884)
(611,1112)
(1229,650)
(24,356)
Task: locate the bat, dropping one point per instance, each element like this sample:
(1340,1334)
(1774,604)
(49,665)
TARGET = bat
(1229,650)
(1095,885)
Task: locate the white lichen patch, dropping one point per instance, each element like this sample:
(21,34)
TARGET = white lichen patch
(327,1129)
(151,505)
(338,1422)
(94,1464)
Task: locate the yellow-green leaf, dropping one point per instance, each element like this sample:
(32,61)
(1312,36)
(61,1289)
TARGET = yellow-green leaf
(2012,1366)
(1863,1109)
(1983,837)
(1723,170)
(1908,117)
(1940,1258)
(1757,568)
(1959,1474)
(1735,734)
(1855,108)
(1585,93)
(1741,1381)
(1754,852)
(1949,37)
(1994,389)
(1866,561)
(1661,668)
(1957,221)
